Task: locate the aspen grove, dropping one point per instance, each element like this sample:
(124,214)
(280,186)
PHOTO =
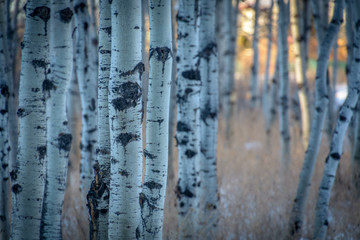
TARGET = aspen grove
(179,119)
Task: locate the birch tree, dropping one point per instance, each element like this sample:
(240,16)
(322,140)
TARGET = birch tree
(300,68)
(58,141)
(152,197)
(188,116)
(207,191)
(255,65)
(28,178)
(266,88)
(87,83)
(4,130)
(331,164)
(125,119)
(273,101)
(321,100)
(98,196)
(284,82)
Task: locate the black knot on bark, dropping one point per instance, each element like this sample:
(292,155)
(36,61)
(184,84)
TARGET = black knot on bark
(125,138)
(182,127)
(66,15)
(41,151)
(130,94)
(80,7)
(191,74)
(64,141)
(190,153)
(48,85)
(16,188)
(5,90)
(148,155)
(207,112)
(207,51)
(153,185)
(162,54)
(335,156)
(42,12)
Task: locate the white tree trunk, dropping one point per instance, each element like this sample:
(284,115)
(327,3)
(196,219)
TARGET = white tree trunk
(255,65)
(321,102)
(28,179)
(157,119)
(229,95)
(125,119)
(98,197)
(266,87)
(207,201)
(59,138)
(5,150)
(188,116)
(284,82)
(300,69)
(86,75)
(273,101)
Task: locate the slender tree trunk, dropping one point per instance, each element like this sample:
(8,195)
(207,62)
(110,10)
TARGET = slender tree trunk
(58,136)
(229,97)
(300,69)
(321,101)
(255,66)
(207,201)
(87,84)
(28,179)
(5,150)
(306,30)
(273,98)
(284,83)
(355,157)
(331,164)
(266,87)
(98,196)
(152,197)
(188,116)
(125,114)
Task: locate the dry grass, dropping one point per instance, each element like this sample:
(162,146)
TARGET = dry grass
(256,193)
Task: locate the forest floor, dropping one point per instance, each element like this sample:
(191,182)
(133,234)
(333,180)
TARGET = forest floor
(256,192)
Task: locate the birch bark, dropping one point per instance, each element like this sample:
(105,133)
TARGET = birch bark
(86,75)
(255,66)
(207,190)
(331,164)
(125,119)
(188,116)
(273,101)
(284,82)
(5,149)
(58,141)
(321,100)
(266,87)
(28,178)
(157,119)
(300,69)
(98,196)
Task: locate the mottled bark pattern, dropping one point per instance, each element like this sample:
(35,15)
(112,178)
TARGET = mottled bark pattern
(125,119)
(321,100)
(188,116)
(99,192)
(28,178)
(207,191)
(152,197)
(58,135)
(86,75)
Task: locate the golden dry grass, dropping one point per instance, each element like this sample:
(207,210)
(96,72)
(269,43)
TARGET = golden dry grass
(256,192)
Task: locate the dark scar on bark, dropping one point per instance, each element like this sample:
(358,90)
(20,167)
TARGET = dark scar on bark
(207,112)
(13,174)
(22,112)
(16,188)
(130,94)
(191,74)
(207,51)
(64,141)
(42,152)
(44,14)
(162,54)
(5,90)
(92,106)
(125,138)
(153,185)
(148,155)
(190,153)
(66,15)
(140,67)
(47,86)
(80,6)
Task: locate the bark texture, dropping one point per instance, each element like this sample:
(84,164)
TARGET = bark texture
(284,82)
(125,119)
(321,100)
(207,201)
(152,197)
(98,196)
(255,65)
(28,177)
(188,116)
(4,127)
(58,136)
(86,75)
